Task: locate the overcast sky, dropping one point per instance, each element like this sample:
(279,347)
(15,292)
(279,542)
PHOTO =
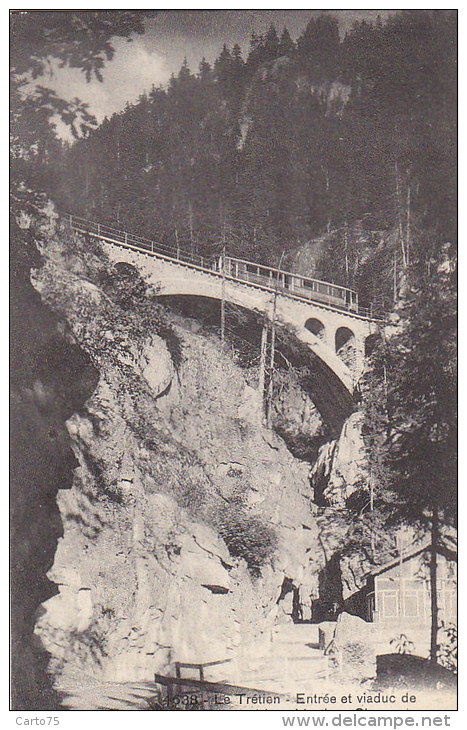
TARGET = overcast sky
(168,38)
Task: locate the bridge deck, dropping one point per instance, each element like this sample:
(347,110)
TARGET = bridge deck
(182,258)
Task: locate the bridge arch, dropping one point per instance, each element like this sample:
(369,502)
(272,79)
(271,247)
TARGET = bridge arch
(346,346)
(371,343)
(331,395)
(316,327)
(126,270)
(344,336)
(174,278)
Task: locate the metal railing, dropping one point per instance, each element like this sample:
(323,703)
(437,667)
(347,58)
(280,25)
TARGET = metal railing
(131,240)
(176,686)
(212,265)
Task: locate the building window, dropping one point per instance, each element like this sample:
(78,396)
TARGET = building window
(389,601)
(451,605)
(410,604)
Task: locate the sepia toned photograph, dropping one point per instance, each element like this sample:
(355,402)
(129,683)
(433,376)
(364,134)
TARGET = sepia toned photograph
(233,360)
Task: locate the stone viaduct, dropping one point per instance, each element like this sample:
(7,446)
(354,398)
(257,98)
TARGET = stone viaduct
(327,331)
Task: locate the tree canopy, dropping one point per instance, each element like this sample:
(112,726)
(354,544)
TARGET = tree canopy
(410,399)
(349,138)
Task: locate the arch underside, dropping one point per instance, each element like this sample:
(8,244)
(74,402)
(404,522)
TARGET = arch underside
(331,393)
(332,399)
(345,346)
(213,290)
(372,342)
(316,327)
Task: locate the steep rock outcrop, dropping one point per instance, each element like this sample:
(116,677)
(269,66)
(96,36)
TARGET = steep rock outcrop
(353,651)
(296,418)
(185,516)
(51,377)
(341,467)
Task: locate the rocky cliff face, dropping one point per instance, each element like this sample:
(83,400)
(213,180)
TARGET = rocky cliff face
(185,517)
(340,468)
(51,377)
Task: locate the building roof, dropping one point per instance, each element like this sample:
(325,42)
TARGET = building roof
(417,550)
(393,563)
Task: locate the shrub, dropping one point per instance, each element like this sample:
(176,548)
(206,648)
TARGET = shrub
(402,644)
(190,494)
(247,537)
(127,289)
(124,286)
(447,652)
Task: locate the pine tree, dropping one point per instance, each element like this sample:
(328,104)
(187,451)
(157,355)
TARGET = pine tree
(223,66)
(255,43)
(184,74)
(319,46)
(205,71)
(270,47)
(238,63)
(289,163)
(286,44)
(410,404)
(255,55)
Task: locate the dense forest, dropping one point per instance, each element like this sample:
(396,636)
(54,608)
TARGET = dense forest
(352,138)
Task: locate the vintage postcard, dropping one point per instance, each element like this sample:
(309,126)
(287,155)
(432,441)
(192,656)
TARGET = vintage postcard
(233,240)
